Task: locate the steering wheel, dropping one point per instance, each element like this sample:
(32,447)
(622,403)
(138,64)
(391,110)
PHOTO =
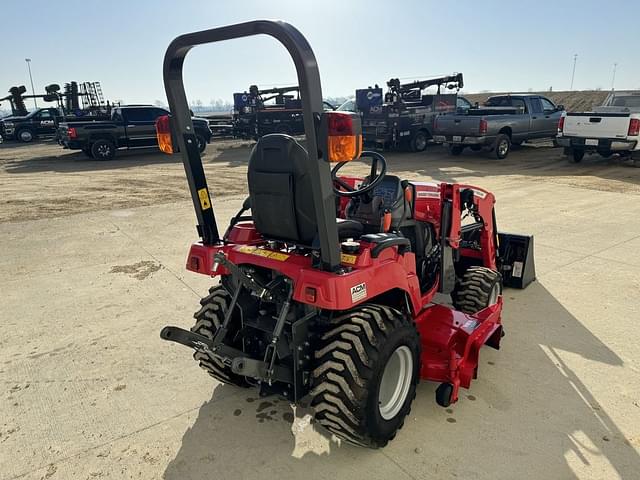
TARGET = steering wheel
(343,189)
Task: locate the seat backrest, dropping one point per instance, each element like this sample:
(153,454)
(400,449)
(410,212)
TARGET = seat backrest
(280,190)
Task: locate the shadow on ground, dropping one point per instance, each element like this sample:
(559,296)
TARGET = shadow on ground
(529,415)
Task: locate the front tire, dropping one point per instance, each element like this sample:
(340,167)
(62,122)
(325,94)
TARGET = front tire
(479,288)
(25,135)
(202,143)
(366,371)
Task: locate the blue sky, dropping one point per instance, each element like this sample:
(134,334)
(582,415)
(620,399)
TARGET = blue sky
(498,45)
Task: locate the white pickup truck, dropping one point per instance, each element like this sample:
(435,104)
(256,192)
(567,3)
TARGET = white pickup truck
(612,128)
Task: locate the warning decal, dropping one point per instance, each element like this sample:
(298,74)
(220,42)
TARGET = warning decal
(205,203)
(358,292)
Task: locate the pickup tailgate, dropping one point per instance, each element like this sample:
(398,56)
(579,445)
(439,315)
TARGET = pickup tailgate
(461,125)
(596,125)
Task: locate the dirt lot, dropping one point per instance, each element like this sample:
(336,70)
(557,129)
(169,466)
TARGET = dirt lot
(92,267)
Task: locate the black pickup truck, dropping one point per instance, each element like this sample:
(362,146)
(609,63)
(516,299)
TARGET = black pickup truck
(40,122)
(130,126)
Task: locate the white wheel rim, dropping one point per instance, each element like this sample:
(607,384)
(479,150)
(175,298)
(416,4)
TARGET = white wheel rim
(395,383)
(502,149)
(26,136)
(495,292)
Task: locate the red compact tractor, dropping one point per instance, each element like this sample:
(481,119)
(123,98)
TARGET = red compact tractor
(327,287)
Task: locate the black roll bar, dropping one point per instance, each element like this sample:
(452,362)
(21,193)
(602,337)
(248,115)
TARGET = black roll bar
(311,97)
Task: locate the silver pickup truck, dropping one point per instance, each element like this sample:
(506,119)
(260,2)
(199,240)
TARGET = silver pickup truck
(503,121)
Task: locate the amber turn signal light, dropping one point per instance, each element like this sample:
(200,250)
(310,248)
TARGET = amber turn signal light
(163,132)
(341,134)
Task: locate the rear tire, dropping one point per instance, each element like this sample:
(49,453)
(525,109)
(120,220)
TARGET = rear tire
(479,288)
(502,146)
(103,150)
(456,150)
(366,371)
(208,320)
(419,141)
(577,155)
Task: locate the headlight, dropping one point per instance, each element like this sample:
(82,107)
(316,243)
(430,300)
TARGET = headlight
(8,124)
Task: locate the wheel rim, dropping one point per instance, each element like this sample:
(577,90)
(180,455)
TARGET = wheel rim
(26,136)
(493,296)
(421,142)
(104,150)
(395,383)
(503,147)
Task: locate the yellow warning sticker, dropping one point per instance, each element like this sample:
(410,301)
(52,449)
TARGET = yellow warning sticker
(279,256)
(205,203)
(350,259)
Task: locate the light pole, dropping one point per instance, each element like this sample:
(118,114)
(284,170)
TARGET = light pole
(573,73)
(613,80)
(33,92)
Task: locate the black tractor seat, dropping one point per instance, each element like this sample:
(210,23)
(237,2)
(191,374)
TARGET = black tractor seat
(280,194)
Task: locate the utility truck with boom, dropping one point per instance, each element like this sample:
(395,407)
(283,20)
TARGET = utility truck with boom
(404,116)
(328,286)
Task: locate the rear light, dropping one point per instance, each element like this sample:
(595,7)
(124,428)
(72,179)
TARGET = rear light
(310,294)
(484,127)
(163,132)
(343,133)
(560,124)
(194,263)
(72,133)
(634,127)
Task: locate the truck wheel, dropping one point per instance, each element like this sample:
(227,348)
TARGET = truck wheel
(103,150)
(208,320)
(202,143)
(25,135)
(479,288)
(577,155)
(365,376)
(502,146)
(456,150)
(419,141)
